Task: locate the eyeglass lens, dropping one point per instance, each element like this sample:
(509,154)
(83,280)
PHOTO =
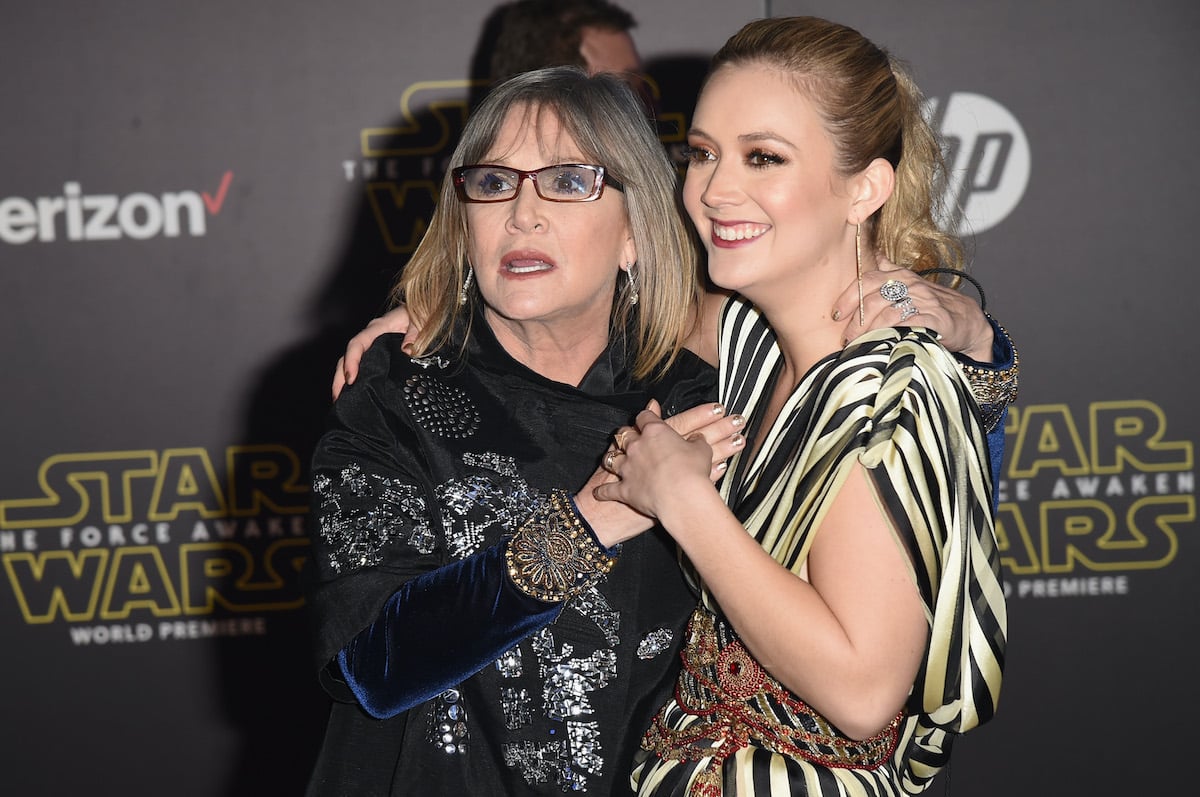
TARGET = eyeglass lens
(562,183)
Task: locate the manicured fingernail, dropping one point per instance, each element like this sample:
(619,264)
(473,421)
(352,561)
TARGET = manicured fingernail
(738,421)
(722,465)
(718,409)
(836,315)
(737,441)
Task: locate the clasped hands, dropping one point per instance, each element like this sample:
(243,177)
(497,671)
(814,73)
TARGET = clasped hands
(650,462)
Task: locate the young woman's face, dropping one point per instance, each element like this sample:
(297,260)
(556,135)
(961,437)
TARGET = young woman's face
(547,262)
(761,186)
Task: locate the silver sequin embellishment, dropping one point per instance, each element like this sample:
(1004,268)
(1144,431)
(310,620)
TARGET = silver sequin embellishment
(356,536)
(594,606)
(361,512)
(541,762)
(505,466)
(442,409)
(448,723)
(515,703)
(482,501)
(509,663)
(585,746)
(654,642)
(431,360)
(568,681)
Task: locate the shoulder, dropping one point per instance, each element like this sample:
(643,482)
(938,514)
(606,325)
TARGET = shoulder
(383,373)
(384,353)
(905,380)
(387,361)
(901,353)
(897,372)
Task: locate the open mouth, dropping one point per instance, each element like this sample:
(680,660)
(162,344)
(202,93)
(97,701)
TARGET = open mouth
(739,232)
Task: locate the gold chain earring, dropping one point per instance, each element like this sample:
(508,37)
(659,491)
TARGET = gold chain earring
(862,319)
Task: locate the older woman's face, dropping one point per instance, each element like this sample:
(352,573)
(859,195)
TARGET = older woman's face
(551,264)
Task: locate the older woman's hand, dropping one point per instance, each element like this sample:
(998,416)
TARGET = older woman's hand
(616,522)
(657,463)
(958,319)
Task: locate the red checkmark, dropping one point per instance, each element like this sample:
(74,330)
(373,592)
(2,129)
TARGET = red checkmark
(214,203)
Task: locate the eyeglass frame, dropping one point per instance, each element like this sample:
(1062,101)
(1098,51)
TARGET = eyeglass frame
(603,178)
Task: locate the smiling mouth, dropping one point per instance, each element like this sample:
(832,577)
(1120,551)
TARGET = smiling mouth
(739,232)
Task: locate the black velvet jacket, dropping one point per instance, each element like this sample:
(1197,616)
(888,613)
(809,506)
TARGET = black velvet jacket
(446,678)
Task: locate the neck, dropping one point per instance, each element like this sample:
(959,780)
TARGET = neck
(800,313)
(556,351)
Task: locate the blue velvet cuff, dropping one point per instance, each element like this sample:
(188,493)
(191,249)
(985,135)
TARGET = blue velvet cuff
(437,630)
(995,446)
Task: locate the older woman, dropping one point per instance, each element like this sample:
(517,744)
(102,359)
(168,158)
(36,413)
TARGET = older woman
(476,635)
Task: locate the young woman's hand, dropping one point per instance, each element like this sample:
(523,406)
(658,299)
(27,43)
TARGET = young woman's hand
(395,320)
(706,425)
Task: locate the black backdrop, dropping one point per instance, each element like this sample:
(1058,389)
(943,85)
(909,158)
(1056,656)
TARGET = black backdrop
(200,202)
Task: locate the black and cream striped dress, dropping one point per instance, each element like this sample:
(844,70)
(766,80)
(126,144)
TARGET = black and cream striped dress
(895,401)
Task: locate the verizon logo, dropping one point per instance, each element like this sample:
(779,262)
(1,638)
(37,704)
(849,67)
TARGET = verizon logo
(76,216)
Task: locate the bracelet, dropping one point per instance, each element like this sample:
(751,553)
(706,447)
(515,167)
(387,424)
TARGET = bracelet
(993,389)
(553,557)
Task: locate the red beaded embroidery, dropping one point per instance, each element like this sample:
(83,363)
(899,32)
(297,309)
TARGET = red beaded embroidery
(740,704)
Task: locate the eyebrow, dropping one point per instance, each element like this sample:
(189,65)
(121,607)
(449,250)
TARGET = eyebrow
(748,138)
(503,162)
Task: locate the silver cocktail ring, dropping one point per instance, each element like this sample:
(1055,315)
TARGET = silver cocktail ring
(894,291)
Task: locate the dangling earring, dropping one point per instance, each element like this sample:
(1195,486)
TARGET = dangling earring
(862,320)
(466,286)
(633,291)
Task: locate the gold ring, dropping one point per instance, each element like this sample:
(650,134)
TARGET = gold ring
(608,459)
(619,438)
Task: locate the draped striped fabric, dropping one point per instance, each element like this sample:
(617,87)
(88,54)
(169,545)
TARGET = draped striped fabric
(895,401)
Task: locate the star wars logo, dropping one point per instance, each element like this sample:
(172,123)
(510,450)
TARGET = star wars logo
(157,544)
(1088,497)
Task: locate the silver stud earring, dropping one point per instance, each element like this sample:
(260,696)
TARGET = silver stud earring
(466,286)
(633,291)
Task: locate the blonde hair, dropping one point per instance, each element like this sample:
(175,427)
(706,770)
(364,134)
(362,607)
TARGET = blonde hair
(608,124)
(871,109)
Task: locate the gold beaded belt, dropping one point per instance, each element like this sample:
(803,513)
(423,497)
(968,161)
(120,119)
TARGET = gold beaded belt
(739,704)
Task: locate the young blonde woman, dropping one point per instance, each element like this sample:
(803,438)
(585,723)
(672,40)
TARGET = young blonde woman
(852,620)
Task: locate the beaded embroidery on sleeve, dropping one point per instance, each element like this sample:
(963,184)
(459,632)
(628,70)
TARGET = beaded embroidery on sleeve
(554,557)
(994,389)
